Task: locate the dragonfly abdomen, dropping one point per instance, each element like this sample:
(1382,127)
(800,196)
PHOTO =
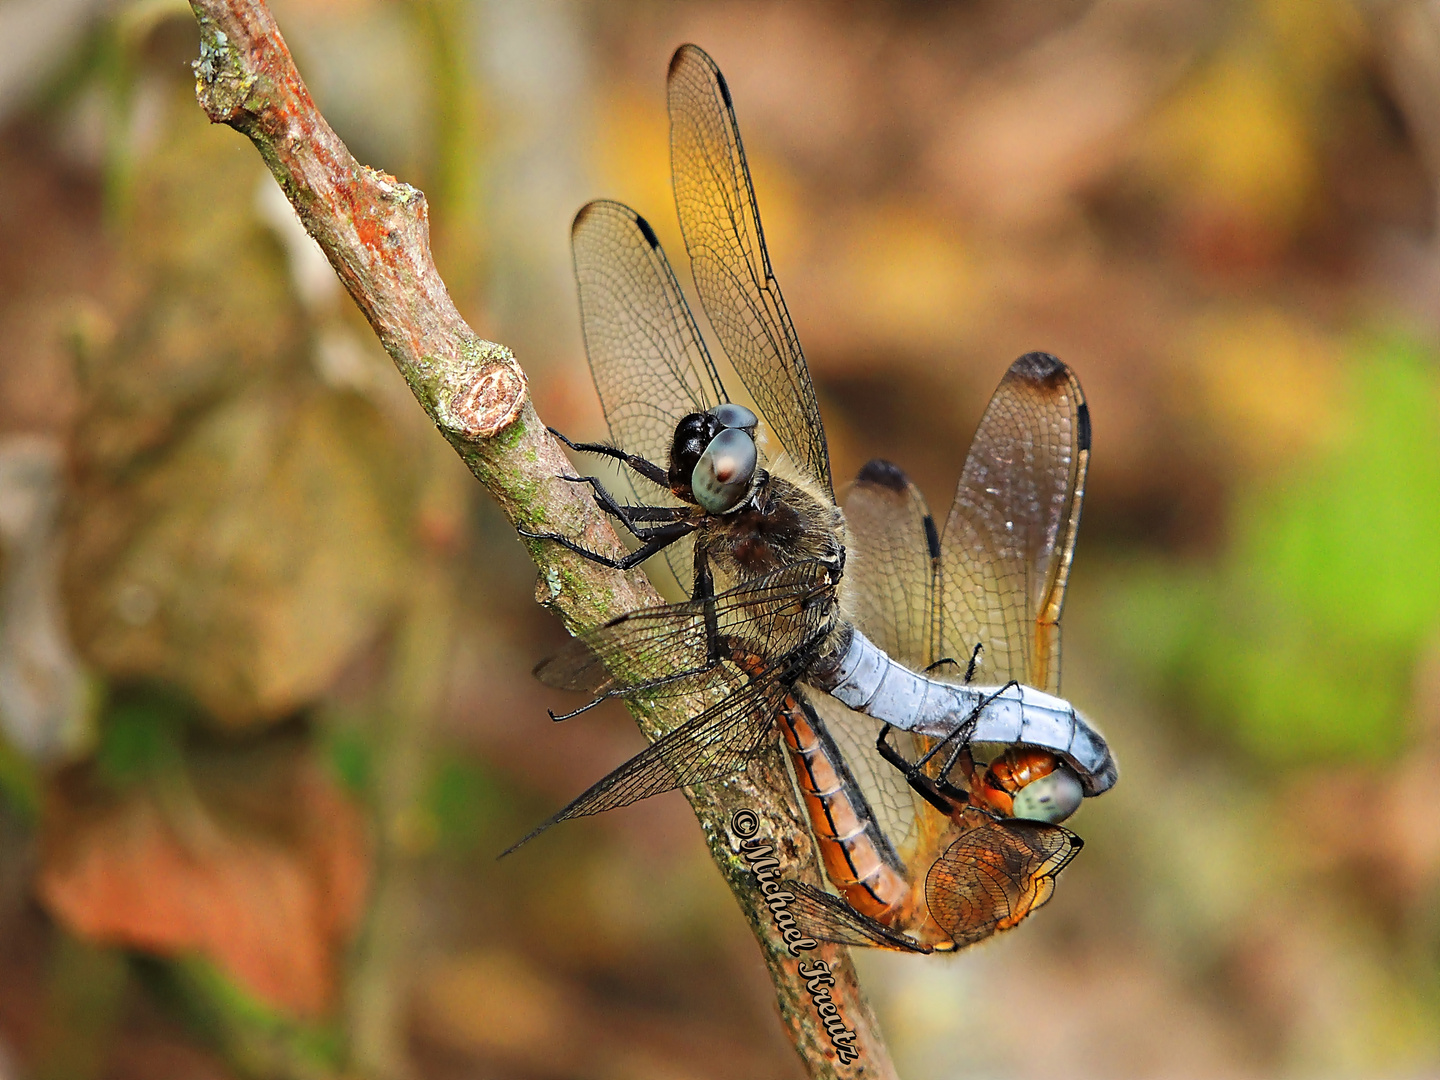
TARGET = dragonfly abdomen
(868,681)
(859,860)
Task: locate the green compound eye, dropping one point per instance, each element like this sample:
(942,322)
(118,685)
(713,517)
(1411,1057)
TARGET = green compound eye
(722,475)
(735,416)
(1053,797)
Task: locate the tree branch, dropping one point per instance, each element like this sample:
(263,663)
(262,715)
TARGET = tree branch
(375,232)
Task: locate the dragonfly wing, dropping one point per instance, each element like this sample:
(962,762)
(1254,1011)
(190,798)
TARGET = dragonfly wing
(996,873)
(825,917)
(909,823)
(657,649)
(648,649)
(892,577)
(721,224)
(649,361)
(717,743)
(1010,535)
(893,564)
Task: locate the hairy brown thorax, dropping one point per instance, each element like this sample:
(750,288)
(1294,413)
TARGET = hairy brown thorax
(784,524)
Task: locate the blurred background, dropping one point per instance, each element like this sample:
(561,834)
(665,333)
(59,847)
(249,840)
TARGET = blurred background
(265,646)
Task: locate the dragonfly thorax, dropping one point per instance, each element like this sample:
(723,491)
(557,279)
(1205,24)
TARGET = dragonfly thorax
(781,523)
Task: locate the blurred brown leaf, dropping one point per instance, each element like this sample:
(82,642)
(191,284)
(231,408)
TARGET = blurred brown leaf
(239,529)
(247,565)
(191,326)
(497,1003)
(257,863)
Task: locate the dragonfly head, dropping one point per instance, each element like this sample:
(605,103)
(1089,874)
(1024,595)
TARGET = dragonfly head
(1053,797)
(1036,785)
(713,458)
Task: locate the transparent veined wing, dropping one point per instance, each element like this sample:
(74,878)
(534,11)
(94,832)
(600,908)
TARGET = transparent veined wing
(647,357)
(721,224)
(996,873)
(892,578)
(898,811)
(825,917)
(657,650)
(1010,536)
(893,564)
(716,743)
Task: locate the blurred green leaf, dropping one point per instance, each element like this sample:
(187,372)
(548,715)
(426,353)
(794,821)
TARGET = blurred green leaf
(19,784)
(352,759)
(142,731)
(463,801)
(1300,644)
(256,1039)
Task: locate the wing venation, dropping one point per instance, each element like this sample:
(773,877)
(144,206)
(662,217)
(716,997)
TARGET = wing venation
(731,266)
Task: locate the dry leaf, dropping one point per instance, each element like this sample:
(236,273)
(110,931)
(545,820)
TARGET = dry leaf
(265,876)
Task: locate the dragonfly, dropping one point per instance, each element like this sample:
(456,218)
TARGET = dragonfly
(761,541)
(919,861)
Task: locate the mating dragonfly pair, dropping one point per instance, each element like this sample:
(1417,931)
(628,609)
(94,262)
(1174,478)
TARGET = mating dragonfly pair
(934,785)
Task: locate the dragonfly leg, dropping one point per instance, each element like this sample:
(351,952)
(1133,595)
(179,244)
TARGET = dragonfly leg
(557,717)
(631,516)
(950,661)
(704,591)
(960,734)
(925,787)
(638,688)
(648,469)
(955,736)
(662,538)
(974,659)
(962,750)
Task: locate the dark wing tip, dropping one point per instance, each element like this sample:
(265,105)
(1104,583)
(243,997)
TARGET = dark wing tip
(703,57)
(1052,375)
(1040,367)
(688,49)
(595,208)
(884,474)
(583,215)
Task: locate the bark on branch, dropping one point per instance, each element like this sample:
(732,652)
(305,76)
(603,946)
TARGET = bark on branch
(375,231)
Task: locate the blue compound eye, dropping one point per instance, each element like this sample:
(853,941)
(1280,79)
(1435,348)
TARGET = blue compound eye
(1053,797)
(735,416)
(722,475)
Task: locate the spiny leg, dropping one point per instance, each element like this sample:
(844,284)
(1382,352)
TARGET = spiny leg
(950,661)
(962,730)
(704,591)
(925,787)
(631,516)
(663,538)
(637,688)
(974,659)
(648,469)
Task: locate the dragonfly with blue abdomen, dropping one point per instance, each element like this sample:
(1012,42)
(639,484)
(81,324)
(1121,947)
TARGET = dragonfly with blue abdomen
(760,542)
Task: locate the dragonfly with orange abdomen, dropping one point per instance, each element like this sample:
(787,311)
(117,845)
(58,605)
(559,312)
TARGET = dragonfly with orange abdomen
(760,542)
(941,842)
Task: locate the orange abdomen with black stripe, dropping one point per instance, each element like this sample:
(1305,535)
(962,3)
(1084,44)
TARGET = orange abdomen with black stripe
(858,859)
